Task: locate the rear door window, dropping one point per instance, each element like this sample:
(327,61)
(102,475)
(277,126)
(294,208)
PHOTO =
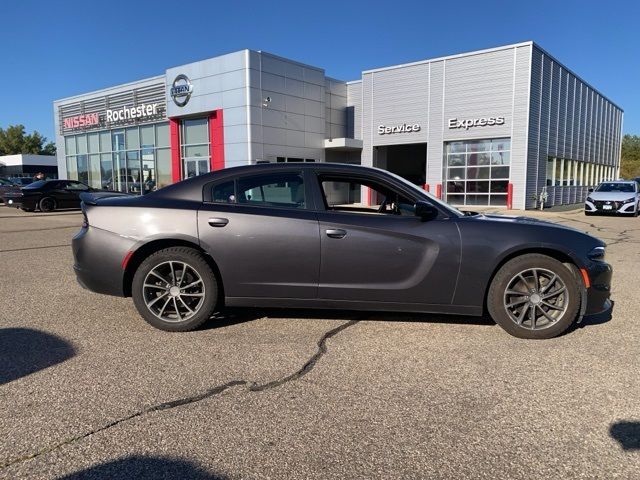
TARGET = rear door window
(282,189)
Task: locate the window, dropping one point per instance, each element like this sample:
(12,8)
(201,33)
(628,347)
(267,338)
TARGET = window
(142,168)
(364,196)
(76,186)
(224,193)
(272,190)
(477,171)
(551,168)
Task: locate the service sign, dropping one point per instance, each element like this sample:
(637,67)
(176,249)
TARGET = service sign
(404,128)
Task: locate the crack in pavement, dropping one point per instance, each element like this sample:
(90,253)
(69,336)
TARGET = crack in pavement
(34,248)
(212,392)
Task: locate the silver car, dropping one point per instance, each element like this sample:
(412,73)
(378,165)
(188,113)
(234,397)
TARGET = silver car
(615,197)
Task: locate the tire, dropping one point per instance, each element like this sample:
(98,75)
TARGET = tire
(169,308)
(47,204)
(561,306)
(589,214)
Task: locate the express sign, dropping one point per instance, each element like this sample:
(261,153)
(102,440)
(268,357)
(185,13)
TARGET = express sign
(80,121)
(475,122)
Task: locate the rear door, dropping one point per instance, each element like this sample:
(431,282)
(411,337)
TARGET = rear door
(263,234)
(374,248)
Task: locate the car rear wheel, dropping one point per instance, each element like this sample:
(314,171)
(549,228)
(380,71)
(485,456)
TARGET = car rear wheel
(175,289)
(534,296)
(47,204)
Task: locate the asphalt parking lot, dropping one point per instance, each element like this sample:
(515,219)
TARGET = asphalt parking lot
(89,390)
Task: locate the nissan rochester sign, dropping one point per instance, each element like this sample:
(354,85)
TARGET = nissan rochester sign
(468,123)
(181,90)
(404,128)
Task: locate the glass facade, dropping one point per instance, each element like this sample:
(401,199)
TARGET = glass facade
(134,159)
(477,172)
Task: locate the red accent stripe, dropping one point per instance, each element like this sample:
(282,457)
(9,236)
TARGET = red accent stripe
(216,137)
(174,136)
(126,259)
(510,196)
(439,190)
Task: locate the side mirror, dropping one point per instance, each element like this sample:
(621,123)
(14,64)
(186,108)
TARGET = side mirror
(425,211)
(590,190)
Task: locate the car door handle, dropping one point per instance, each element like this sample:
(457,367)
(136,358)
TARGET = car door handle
(336,232)
(218,222)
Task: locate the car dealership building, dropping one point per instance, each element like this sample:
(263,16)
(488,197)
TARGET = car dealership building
(503,126)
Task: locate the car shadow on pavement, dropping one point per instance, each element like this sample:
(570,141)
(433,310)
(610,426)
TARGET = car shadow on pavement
(143,467)
(627,434)
(237,315)
(24,351)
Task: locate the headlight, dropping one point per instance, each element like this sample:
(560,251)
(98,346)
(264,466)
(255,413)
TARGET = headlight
(589,199)
(630,200)
(596,254)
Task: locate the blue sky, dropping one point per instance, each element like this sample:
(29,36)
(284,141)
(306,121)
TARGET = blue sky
(57,49)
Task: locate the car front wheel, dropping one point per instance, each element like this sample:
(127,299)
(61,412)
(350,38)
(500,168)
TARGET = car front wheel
(534,296)
(47,204)
(175,289)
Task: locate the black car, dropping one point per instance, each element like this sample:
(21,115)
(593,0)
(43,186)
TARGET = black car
(47,195)
(336,236)
(7,186)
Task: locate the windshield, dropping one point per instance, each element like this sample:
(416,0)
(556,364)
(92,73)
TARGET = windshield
(38,184)
(454,211)
(616,187)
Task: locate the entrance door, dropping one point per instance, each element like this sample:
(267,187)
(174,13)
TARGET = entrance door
(195,166)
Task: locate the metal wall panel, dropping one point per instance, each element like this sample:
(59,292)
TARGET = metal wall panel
(354,110)
(289,114)
(569,120)
(400,96)
(479,86)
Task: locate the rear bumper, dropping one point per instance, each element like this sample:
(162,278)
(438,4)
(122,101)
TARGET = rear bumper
(600,274)
(98,257)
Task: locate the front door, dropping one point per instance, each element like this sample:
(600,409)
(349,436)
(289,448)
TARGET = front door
(374,248)
(195,166)
(263,236)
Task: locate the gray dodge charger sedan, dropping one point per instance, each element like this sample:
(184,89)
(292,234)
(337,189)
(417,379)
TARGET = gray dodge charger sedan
(335,236)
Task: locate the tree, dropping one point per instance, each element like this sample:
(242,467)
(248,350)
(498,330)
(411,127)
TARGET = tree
(14,141)
(630,157)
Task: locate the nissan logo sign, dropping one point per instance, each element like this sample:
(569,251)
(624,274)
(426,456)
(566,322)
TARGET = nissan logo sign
(181,90)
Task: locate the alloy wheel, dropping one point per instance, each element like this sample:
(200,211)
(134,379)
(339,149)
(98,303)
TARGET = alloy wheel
(536,298)
(173,291)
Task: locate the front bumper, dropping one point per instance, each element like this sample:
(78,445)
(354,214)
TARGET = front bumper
(598,294)
(15,202)
(610,207)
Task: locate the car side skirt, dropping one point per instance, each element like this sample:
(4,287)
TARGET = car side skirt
(351,305)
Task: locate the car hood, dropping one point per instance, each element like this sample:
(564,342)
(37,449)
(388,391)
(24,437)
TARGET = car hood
(614,196)
(520,220)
